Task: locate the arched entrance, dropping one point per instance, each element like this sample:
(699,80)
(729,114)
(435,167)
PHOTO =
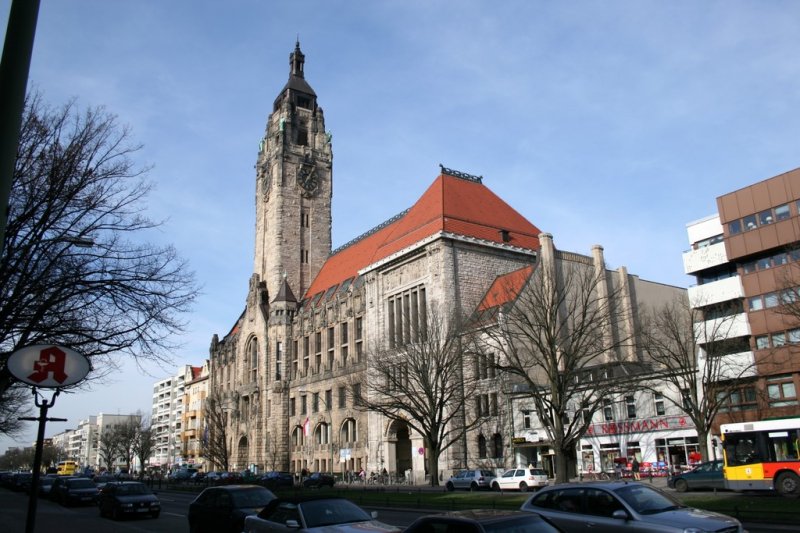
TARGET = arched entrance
(242,454)
(399,452)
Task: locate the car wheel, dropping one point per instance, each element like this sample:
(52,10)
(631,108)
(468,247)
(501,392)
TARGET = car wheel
(116,514)
(474,486)
(681,485)
(523,487)
(788,484)
(449,486)
(193,527)
(496,487)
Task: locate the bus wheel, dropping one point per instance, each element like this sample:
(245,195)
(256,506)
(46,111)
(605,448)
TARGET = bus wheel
(788,484)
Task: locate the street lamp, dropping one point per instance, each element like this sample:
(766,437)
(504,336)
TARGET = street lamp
(330,427)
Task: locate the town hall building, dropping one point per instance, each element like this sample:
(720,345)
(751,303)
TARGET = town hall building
(291,367)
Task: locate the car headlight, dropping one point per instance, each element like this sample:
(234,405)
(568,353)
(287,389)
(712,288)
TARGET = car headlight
(126,505)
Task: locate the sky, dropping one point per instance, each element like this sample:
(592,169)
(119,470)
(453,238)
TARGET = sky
(602,122)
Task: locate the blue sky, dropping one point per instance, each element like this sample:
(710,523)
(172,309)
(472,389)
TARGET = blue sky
(612,123)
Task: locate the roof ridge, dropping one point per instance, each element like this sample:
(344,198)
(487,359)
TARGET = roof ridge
(369,232)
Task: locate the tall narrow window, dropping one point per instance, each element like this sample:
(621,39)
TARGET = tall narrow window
(331,347)
(278,360)
(630,405)
(317,350)
(658,399)
(305,353)
(608,412)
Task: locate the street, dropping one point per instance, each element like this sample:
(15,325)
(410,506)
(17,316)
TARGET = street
(51,517)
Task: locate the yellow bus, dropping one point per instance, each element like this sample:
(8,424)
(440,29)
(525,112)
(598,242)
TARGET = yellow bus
(67,468)
(762,455)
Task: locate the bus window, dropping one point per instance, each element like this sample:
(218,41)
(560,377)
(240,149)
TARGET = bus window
(741,450)
(782,447)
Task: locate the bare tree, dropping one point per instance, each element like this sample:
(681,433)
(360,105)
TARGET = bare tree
(215,436)
(76,269)
(108,446)
(145,444)
(13,404)
(696,352)
(422,383)
(562,345)
(127,439)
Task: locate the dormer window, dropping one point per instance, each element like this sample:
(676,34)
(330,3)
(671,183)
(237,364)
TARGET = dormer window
(505,235)
(304,102)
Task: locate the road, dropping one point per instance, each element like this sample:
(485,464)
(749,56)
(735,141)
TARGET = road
(51,517)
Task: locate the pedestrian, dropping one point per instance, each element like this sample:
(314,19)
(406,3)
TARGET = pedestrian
(617,470)
(362,475)
(635,468)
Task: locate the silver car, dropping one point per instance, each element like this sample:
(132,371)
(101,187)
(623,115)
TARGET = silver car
(328,515)
(470,480)
(621,506)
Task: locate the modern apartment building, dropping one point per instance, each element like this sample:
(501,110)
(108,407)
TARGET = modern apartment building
(747,265)
(192,431)
(167,418)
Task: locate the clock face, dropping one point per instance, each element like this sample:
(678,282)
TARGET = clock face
(307,177)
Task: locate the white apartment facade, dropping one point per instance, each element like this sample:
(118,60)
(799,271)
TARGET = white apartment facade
(167,419)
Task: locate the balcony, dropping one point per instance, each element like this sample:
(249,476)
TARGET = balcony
(716,292)
(718,329)
(704,258)
(731,366)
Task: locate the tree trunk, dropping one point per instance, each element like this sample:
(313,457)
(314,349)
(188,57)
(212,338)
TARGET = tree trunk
(562,466)
(433,467)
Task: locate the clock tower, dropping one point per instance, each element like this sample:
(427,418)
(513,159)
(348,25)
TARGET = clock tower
(293,188)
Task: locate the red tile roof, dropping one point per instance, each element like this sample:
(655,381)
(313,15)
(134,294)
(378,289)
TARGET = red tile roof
(505,288)
(454,205)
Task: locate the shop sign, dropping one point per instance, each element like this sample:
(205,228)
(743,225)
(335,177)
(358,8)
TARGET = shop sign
(644,425)
(518,440)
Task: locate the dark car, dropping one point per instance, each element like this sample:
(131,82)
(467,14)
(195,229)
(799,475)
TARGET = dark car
(319,480)
(74,490)
(101,479)
(703,476)
(314,514)
(223,509)
(121,498)
(21,481)
(277,480)
(46,484)
(480,521)
(621,507)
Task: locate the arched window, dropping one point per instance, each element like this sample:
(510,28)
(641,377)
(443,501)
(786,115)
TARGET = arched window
(322,433)
(497,445)
(349,431)
(481,446)
(251,360)
(297,436)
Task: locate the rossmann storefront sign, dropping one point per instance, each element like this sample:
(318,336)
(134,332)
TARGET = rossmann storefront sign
(644,425)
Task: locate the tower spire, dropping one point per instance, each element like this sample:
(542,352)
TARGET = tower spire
(296,60)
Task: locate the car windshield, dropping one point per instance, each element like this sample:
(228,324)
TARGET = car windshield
(129,490)
(645,500)
(255,497)
(80,484)
(328,512)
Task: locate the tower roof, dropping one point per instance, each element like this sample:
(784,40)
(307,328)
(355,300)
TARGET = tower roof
(452,204)
(285,293)
(297,81)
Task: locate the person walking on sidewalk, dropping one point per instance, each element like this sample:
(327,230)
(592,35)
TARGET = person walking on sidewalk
(635,468)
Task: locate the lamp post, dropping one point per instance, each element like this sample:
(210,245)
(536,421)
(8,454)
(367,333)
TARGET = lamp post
(330,427)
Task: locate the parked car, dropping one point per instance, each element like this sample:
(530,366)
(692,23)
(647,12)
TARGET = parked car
(20,481)
(46,484)
(73,490)
(182,474)
(277,480)
(622,506)
(120,498)
(223,509)
(327,515)
(520,479)
(482,521)
(101,479)
(319,480)
(470,480)
(704,476)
